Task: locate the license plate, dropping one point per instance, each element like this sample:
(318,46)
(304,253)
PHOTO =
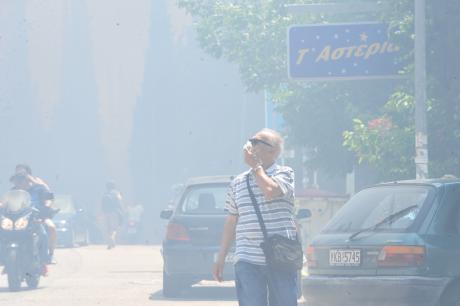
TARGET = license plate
(344,257)
(228,258)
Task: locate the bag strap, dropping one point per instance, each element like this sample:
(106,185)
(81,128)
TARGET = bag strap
(257,209)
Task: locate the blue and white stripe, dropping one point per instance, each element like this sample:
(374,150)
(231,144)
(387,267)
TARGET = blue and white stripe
(278,214)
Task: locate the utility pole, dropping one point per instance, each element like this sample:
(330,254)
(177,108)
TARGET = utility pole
(421,139)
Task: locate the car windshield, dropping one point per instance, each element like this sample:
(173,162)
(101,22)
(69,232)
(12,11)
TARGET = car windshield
(64,203)
(371,206)
(206,199)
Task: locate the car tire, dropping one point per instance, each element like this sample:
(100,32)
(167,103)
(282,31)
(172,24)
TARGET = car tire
(172,286)
(451,297)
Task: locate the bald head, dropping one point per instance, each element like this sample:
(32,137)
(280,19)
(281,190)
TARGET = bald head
(274,138)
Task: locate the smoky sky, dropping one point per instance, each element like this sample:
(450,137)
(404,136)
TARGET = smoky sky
(102,90)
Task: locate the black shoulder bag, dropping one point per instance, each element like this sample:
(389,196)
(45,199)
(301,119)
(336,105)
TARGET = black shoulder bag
(281,253)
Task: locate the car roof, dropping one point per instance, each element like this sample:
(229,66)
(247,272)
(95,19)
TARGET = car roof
(436,182)
(217,179)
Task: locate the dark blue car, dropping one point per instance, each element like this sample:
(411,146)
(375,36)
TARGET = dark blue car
(391,244)
(193,234)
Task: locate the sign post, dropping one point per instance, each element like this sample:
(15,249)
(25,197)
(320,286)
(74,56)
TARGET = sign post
(421,139)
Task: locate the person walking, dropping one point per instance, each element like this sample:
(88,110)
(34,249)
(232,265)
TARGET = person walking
(112,210)
(271,188)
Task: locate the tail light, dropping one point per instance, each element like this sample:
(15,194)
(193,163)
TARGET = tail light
(176,231)
(401,256)
(311,259)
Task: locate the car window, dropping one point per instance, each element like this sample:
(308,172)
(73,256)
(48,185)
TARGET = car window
(373,205)
(64,203)
(447,220)
(207,199)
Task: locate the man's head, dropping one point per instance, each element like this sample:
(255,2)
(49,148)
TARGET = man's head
(23,168)
(267,145)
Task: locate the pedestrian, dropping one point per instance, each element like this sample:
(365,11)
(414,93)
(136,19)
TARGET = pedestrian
(112,210)
(273,188)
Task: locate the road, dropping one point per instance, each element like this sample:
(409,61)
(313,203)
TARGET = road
(124,276)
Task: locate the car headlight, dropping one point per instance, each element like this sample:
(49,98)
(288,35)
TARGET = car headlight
(21,223)
(7,224)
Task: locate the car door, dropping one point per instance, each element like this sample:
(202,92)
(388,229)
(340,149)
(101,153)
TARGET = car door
(443,236)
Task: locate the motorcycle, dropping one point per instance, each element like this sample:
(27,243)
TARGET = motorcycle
(20,242)
(132,231)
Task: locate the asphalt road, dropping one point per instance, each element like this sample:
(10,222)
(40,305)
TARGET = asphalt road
(126,275)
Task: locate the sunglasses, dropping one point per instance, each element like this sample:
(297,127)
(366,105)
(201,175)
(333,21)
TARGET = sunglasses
(255,141)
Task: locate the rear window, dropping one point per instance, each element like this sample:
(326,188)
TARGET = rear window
(204,200)
(64,203)
(372,206)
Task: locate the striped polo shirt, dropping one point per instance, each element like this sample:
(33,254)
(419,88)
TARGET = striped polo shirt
(277,213)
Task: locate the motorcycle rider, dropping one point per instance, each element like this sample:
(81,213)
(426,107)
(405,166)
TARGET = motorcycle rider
(41,189)
(40,199)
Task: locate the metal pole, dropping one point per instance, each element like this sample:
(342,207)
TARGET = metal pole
(421,140)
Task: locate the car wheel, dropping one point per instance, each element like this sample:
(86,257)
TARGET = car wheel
(451,297)
(172,286)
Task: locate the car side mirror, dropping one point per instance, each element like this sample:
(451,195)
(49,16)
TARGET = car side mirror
(166,214)
(303,213)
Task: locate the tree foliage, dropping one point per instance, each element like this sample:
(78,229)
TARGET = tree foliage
(443,90)
(377,116)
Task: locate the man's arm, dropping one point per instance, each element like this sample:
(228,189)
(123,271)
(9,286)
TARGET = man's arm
(227,239)
(270,188)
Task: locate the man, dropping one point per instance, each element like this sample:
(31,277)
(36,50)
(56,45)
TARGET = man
(273,187)
(39,195)
(112,209)
(24,168)
(42,198)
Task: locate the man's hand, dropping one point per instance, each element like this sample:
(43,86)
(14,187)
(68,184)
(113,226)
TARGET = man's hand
(251,159)
(218,270)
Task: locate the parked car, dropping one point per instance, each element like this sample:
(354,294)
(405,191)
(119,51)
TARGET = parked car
(391,244)
(71,223)
(193,234)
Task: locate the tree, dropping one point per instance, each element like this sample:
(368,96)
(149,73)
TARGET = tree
(443,92)
(253,35)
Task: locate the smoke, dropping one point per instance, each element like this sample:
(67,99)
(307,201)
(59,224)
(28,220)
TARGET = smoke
(45,32)
(120,36)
